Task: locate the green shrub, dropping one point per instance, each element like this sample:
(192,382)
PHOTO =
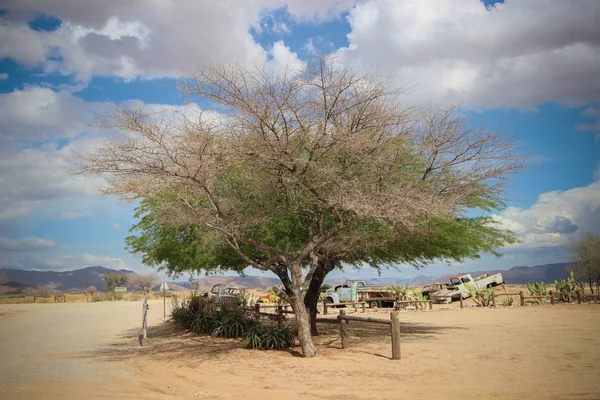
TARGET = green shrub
(538,289)
(566,287)
(416,295)
(268,337)
(509,300)
(481,297)
(401,292)
(229,325)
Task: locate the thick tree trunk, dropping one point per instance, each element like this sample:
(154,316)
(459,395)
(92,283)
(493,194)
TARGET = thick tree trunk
(311,300)
(296,296)
(303,321)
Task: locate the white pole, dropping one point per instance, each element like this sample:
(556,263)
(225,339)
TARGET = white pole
(164,299)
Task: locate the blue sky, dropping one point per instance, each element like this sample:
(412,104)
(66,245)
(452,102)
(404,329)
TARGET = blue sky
(528,68)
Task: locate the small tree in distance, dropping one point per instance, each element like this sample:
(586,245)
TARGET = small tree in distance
(144,283)
(90,291)
(114,280)
(586,256)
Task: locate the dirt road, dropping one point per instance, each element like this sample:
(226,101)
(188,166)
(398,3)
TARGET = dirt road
(73,351)
(44,346)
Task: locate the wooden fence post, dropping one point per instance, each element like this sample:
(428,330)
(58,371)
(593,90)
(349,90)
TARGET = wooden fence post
(279,315)
(364,307)
(430,305)
(522,298)
(493,298)
(551,297)
(144,319)
(325,307)
(461,301)
(257,311)
(578,297)
(395,317)
(344,330)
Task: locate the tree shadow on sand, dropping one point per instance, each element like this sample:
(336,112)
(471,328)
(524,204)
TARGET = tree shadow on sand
(169,341)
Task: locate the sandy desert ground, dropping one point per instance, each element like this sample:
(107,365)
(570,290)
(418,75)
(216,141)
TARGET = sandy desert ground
(74,351)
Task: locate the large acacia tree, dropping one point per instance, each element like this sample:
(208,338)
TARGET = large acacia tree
(302,164)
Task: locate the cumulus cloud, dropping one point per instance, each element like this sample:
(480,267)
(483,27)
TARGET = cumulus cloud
(136,38)
(283,59)
(556,218)
(25,244)
(37,113)
(514,54)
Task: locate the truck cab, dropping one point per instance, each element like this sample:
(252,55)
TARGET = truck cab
(348,292)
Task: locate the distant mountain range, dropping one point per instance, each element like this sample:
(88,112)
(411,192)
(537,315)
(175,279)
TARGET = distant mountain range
(67,281)
(76,280)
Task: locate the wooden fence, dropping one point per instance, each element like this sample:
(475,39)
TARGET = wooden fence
(277,314)
(554,297)
(393,322)
(362,303)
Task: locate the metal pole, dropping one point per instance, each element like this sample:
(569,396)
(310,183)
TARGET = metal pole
(164,300)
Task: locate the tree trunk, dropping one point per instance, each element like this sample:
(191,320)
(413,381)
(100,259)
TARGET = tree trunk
(311,299)
(303,321)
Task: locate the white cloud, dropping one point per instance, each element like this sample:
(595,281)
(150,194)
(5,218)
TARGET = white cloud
(105,261)
(40,113)
(3,76)
(556,218)
(284,59)
(516,54)
(135,38)
(116,226)
(73,215)
(25,244)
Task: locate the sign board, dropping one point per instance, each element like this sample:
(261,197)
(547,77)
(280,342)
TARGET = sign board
(164,286)
(120,289)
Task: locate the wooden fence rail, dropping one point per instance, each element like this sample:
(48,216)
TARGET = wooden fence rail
(409,302)
(394,323)
(350,303)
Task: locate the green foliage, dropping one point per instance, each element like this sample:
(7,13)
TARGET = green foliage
(481,297)
(229,325)
(509,300)
(538,289)
(566,287)
(400,291)
(232,325)
(268,337)
(324,288)
(113,280)
(178,249)
(416,295)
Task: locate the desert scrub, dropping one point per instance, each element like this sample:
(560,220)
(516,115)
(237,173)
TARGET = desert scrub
(508,302)
(481,297)
(567,287)
(266,337)
(538,289)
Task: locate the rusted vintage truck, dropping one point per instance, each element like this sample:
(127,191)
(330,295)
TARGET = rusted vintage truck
(356,290)
(458,285)
(221,293)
